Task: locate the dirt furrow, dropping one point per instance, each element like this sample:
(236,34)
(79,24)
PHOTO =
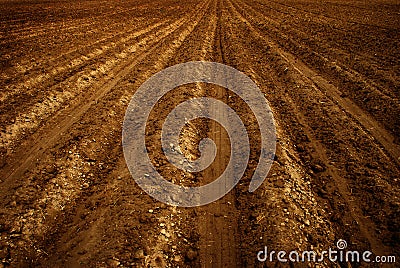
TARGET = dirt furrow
(69,69)
(80,70)
(367,227)
(65,118)
(56,69)
(168,49)
(129,26)
(359,13)
(370,96)
(111,32)
(72,24)
(157,242)
(218,244)
(277,216)
(378,132)
(328,49)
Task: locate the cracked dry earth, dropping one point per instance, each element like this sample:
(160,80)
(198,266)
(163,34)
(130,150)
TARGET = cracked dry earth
(329,70)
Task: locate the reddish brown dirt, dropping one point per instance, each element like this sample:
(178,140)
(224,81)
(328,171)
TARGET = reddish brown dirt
(329,69)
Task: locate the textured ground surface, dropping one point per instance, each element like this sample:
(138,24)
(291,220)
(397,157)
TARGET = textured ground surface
(329,69)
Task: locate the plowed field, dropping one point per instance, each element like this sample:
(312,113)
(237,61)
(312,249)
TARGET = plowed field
(329,69)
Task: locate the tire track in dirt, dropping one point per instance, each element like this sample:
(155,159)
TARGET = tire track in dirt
(33,106)
(385,138)
(167,54)
(324,49)
(333,53)
(112,35)
(70,115)
(112,27)
(155,254)
(367,227)
(376,94)
(80,58)
(217,224)
(283,213)
(383,86)
(28,61)
(54,60)
(33,117)
(74,203)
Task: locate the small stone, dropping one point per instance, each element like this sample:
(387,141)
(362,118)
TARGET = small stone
(177,258)
(317,167)
(113,263)
(15,235)
(191,255)
(139,254)
(151,211)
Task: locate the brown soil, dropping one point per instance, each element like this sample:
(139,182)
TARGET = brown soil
(329,70)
